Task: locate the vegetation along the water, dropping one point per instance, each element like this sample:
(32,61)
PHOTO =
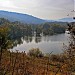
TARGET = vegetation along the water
(35,62)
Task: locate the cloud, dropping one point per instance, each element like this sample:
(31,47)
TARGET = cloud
(47,9)
(7,3)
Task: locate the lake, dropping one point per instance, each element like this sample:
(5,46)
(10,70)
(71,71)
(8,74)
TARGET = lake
(46,44)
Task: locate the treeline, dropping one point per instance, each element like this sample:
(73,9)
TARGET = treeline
(18,29)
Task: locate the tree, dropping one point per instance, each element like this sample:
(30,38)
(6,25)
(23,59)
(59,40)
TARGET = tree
(4,39)
(70,52)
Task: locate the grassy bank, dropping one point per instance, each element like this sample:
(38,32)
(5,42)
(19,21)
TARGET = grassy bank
(24,64)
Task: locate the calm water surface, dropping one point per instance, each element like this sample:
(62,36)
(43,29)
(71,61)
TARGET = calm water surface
(45,43)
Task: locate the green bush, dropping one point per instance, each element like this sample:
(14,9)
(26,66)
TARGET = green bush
(35,53)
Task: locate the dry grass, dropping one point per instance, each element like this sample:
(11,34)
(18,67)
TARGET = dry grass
(22,64)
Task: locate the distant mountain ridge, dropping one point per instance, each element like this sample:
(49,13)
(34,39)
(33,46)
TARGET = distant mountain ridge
(66,20)
(25,18)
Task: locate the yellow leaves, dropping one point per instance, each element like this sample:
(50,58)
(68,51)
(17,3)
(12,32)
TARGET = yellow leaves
(65,65)
(52,73)
(4,30)
(58,74)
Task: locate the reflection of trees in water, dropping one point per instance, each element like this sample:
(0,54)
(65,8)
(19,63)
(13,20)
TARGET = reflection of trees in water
(37,39)
(27,39)
(16,41)
(19,40)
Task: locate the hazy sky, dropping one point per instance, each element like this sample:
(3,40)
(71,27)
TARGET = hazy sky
(45,9)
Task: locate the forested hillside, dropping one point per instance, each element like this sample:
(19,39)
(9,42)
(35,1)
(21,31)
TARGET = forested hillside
(18,29)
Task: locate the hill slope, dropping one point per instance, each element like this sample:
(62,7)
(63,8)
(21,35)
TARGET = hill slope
(24,18)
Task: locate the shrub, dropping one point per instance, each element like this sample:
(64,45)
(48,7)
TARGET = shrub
(35,53)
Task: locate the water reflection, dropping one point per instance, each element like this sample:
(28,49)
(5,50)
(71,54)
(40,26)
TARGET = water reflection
(45,43)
